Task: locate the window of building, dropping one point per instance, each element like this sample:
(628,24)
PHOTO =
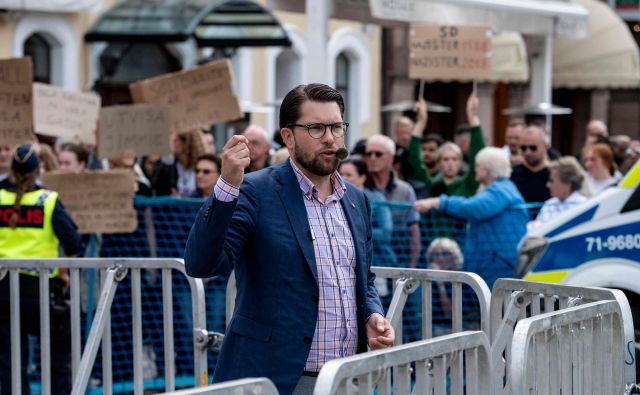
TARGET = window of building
(288,75)
(39,49)
(343,65)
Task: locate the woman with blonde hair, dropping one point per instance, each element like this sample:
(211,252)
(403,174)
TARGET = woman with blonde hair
(33,224)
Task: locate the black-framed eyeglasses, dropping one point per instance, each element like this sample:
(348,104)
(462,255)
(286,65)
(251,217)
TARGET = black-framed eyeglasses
(532,148)
(205,171)
(317,130)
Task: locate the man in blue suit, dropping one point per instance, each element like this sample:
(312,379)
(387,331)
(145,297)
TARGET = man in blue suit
(299,239)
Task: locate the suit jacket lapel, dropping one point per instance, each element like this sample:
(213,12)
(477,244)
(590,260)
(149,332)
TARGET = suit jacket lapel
(292,200)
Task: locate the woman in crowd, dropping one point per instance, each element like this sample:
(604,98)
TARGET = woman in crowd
(208,169)
(565,182)
(72,158)
(450,157)
(600,166)
(354,170)
(175,175)
(34,224)
(497,221)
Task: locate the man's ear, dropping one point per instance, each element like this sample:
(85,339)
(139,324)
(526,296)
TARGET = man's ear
(287,137)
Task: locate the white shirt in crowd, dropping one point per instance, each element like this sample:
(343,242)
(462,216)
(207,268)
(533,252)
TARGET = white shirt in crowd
(555,206)
(596,186)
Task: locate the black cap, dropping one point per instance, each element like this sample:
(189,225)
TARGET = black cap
(25,159)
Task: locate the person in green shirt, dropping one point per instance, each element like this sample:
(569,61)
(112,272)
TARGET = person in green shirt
(449,155)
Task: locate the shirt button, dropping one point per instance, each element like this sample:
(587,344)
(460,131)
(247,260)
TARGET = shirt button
(336,262)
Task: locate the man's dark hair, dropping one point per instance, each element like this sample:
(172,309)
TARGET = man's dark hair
(435,138)
(358,163)
(211,158)
(462,129)
(290,107)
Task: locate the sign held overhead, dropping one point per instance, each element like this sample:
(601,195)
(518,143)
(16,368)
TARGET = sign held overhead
(16,101)
(143,128)
(198,98)
(67,114)
(438,52)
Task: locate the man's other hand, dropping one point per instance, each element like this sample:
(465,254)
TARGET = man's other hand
(380,334)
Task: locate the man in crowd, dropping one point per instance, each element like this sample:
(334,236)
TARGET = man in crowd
(259,147)
(379,160)
(532,175)
(430,144)
(512,137)
(402,129)
(299,240)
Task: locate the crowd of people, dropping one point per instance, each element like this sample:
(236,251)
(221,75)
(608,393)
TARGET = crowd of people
(402,176)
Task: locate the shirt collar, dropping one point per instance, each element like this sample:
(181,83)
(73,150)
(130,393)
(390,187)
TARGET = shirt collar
(309,190)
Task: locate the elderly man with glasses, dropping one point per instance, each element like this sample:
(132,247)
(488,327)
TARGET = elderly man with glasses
(532,175)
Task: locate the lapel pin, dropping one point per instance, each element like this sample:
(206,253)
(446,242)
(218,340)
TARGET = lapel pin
(353,205)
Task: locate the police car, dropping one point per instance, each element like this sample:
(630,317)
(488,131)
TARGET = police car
(596,243)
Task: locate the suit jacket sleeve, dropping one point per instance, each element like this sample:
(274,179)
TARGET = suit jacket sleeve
(372,302)
(219,234)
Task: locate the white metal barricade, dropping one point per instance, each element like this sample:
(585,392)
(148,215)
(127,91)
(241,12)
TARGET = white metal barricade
(407,281)
(443,365)
(577,350)
(514,300)
(113,271)
(259,386)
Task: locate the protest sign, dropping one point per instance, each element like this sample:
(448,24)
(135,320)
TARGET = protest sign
(449,52)
(198,98)
(99,202)
(142,128)
(16,105)
(67,114)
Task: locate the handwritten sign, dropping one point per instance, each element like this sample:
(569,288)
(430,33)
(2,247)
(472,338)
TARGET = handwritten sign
(99,202)
(67,114)
(198,98)
(449,52)
(142,128)
(16,106)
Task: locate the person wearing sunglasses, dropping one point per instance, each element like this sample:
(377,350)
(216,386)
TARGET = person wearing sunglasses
(207,173)
(532,175)
(299,241)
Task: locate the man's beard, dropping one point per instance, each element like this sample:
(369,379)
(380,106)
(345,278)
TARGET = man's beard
(314,164)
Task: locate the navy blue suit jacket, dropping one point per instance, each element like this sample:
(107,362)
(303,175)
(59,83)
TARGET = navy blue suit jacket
(264,235)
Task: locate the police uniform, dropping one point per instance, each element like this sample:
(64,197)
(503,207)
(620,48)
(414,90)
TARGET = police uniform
(42,227)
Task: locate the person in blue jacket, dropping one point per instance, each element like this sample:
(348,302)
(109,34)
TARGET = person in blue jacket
(496,216)
(299,240)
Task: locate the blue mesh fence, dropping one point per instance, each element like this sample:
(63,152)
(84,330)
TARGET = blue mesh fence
(163,227)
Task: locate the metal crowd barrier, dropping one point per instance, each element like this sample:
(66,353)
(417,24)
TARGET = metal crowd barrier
(434,373)
(113,271)
(515,300)
(407,281)
(577,350)
(259,386)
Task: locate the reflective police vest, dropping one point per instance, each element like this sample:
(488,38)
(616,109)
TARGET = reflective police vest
(33,236)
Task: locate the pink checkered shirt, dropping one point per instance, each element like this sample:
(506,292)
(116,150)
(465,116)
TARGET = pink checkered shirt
(336,333)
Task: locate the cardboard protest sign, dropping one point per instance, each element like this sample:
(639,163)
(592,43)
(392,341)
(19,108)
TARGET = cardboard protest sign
(198,98)
(67,114)
(142,128)
(16,105)
(449,52)
(99,202)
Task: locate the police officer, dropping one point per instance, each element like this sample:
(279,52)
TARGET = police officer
(33,224)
